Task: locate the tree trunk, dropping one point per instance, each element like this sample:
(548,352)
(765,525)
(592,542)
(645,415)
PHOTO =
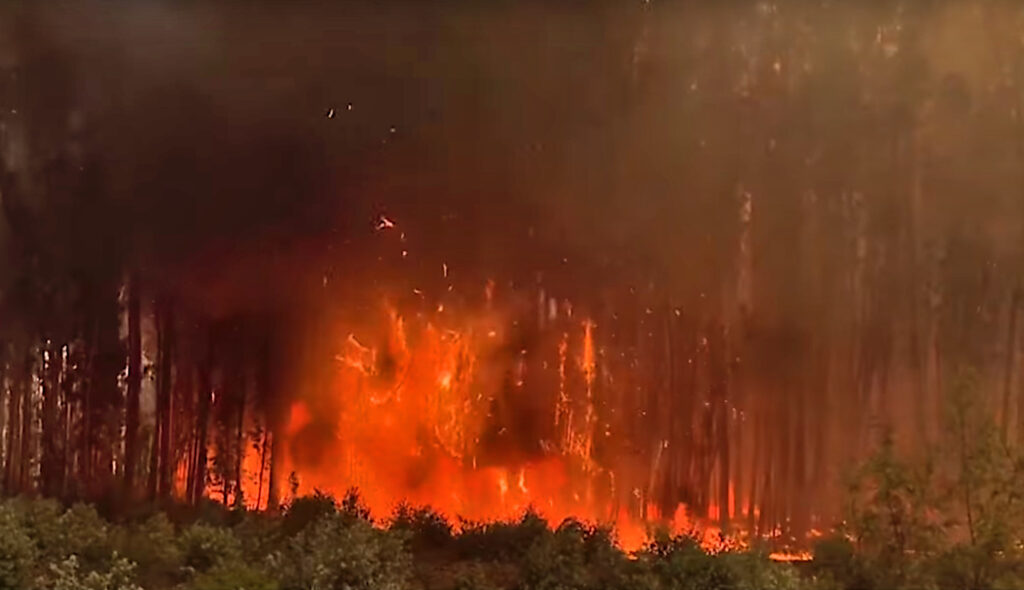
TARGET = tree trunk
(51,467)
(1011,354)
(28,453)
(161,476)
(14,399)
(134,387)
(198,484)
(242,447)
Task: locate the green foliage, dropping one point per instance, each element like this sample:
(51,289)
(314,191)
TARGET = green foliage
(152,545)
(66,575)
(577,556)
(353,508)
(339,552)
(307,509)
(232,576)
(500,539)
(894,517)
(18,552)
(86,535)
(40,520)
(679,562)
(475,576)
(204,547)
(952,519)
(426,527)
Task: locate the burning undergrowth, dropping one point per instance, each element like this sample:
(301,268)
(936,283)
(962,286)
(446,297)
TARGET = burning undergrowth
(476,411)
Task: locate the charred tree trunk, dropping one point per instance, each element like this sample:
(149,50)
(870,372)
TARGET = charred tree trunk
(719,395)
(65,425)
(134,387)
(103,398)
(1011,354)
(4,396)
(161,467)
(11,468)
(197,487)
(241,447)
(51,468)
(28,453)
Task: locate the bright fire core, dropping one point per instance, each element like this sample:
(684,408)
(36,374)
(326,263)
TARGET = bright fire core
(479,416)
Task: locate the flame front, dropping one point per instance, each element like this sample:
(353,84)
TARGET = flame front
(435,410)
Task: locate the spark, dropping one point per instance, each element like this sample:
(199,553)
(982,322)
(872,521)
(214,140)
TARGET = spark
(384,223)
(330,114)
(444,269)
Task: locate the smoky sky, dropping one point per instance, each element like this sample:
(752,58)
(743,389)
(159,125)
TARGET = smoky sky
(253,147)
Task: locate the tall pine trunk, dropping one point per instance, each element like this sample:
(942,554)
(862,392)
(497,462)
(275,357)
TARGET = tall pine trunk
(160,464)
(134,387)
(11,467)
(28,451)
(51,468)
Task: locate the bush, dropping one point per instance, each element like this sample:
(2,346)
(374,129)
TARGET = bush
(338,552)
(500,539)
(426,527)
(203,547)
(85,534)
(353,508)
(680,562)
(153,547)
(581,556)
(40,520)
(474,576)
(18,552)
(232,576)
(753,570)
(307,509)
(66,575)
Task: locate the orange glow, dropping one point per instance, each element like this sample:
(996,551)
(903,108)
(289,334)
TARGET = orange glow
(415,410)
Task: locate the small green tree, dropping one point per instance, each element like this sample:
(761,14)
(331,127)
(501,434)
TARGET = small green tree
(339,552)
(954,519)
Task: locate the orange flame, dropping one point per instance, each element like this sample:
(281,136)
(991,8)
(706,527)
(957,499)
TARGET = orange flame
(412,413)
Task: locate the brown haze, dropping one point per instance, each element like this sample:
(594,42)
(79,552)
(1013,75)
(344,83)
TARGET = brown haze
(619,260)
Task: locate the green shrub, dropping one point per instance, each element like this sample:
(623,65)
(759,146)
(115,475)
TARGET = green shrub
(66,575)
(681,563)
(203,547)
(426,527)
(153,547)
(307,509)
(232,576)
(474,576)
(337,552)
(18,552)
(753,570)
(258,534)
(353,508)
(40,520)
(85,534)
(500,539)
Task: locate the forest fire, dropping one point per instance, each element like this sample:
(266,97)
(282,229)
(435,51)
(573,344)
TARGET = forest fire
(650,265)
(435,411)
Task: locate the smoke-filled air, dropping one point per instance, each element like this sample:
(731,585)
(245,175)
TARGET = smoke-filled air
(747,274)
